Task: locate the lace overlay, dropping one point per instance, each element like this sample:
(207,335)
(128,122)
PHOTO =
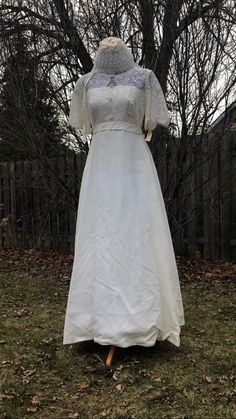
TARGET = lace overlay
(133,77)
(113,56)
(121,100)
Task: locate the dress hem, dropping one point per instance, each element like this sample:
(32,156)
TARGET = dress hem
(168,336)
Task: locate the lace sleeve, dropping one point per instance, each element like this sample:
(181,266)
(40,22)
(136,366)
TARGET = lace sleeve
(79,115)
(156,111)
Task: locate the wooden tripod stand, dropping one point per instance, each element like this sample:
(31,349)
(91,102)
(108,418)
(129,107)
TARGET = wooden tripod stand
(110,356)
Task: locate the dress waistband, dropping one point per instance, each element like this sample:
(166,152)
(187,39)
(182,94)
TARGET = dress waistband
(117,125)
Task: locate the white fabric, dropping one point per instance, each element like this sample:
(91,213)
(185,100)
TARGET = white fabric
(124,286)
(113,56)
(139,95)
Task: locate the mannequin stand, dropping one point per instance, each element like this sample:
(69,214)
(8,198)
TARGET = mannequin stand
(110,356)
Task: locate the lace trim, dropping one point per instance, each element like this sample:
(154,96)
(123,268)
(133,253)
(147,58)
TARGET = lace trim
(132,77)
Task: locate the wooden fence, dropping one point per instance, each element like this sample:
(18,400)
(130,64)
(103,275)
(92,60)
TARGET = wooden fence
(38,201)
(203,214)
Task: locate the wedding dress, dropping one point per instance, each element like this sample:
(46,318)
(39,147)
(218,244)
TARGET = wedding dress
(124,287)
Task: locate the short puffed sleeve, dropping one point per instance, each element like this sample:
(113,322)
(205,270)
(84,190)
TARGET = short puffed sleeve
(79,115)
(156,112)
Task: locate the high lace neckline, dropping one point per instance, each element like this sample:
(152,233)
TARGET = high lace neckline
(113,57)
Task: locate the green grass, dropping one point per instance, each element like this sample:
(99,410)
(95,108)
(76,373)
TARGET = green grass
(42,378)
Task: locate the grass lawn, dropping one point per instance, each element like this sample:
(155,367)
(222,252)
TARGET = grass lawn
(42,378)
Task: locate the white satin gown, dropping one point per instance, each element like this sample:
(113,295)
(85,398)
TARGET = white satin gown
(124,287)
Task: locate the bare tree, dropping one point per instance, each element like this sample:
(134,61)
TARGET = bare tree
(189,44)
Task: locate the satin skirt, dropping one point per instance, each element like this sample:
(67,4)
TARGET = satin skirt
(124,288)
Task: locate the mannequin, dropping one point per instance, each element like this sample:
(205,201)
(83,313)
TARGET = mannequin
(114,57)
(124,288)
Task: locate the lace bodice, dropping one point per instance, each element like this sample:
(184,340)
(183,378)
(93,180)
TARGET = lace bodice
(118,101)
